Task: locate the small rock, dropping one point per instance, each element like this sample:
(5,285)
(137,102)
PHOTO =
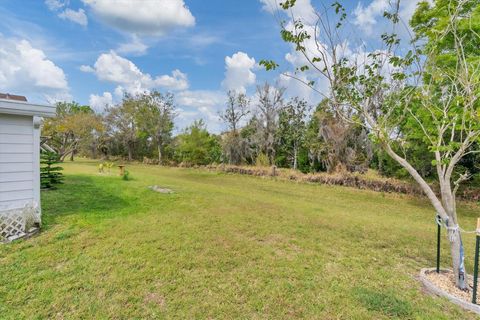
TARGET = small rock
(16,236)
(160,189)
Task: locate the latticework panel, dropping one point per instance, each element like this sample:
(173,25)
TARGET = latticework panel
(16,222)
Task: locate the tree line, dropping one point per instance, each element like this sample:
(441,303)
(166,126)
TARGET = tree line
(271,130)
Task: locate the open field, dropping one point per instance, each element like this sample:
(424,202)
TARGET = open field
(223,247)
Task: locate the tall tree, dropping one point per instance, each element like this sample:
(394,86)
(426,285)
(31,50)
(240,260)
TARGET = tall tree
(293,128)
(155,116)
(121,122)
(237,108)
(270,102)
(74,124)
(435,85)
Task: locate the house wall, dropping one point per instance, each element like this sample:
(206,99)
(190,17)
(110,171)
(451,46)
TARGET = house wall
(19,183)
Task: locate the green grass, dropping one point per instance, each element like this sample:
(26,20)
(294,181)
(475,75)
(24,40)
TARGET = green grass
(223,247)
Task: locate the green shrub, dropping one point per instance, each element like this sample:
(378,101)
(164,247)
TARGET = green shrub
(262,160)
(50,175)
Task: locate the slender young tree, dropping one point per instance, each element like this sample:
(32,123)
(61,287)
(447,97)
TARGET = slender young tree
(293,127)
(435,86)
(236,109)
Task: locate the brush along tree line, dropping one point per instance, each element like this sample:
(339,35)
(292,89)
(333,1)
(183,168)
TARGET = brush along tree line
(425,92)
(274,130)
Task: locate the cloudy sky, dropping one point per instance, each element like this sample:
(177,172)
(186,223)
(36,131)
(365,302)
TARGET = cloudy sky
(93,51)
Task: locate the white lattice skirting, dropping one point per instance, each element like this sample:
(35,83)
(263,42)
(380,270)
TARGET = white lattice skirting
(17,222)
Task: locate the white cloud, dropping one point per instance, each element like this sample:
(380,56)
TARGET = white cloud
(200,98)
(113,68)
(302,9)
(152,17)
(200,104)
(238,72)
(25,69)
(58,97)
(367,17)
(98,103)
(86,68)
(75,16)
(203,40)
(54,5)
(177,81)
(135,47)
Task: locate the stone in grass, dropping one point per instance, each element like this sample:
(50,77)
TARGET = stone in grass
(160,189)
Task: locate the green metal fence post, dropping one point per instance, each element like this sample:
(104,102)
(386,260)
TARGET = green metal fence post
(439,228)
(475,264)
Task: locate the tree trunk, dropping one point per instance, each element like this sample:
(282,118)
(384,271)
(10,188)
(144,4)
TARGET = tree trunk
(457,251)
(129,152)
(159,147)
(71,155)
(295,156)
(446,210)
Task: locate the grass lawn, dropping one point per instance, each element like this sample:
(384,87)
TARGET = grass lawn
(223,247)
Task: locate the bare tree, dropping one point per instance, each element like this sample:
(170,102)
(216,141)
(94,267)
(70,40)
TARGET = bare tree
(270,102)
(237,109)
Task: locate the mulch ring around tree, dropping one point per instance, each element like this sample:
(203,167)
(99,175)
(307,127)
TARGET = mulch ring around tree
(443,284)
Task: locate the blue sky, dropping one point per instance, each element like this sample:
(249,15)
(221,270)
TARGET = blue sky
(93,51)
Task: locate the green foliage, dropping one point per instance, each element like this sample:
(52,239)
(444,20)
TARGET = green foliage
(105,165)
(154,118)
(74,129)
(196,146)
(292,130)
(126,175)
(262,160)
(269,64)
(50,175)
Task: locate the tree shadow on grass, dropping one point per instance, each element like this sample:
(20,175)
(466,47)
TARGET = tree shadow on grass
(90,198)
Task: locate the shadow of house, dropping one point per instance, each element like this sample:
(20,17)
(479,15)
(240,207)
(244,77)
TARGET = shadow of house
(85,197)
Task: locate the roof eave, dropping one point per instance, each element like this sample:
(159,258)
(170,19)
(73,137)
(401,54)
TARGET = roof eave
(26,108)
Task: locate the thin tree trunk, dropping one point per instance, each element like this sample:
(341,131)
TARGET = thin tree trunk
(446,211)
(159,147)
(457,251)
(129,152)
(295,155)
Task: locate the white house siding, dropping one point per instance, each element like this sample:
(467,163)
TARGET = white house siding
(17,177)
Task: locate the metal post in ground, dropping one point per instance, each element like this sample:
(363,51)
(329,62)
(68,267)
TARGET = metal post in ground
(475,264)
(439,229)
